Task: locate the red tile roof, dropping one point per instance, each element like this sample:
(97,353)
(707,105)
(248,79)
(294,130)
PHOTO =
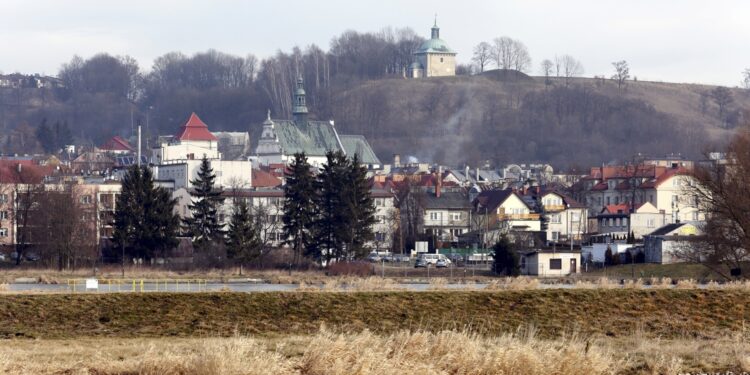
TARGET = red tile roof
(616,208)
(116,144)
(264,179)
(28,174)
(194,130)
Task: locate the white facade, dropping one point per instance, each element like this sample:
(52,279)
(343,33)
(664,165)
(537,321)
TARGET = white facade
(185,150)
(595,252)
(550,263)
(229,173)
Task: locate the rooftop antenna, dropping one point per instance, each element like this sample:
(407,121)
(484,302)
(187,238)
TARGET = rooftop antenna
(435,24)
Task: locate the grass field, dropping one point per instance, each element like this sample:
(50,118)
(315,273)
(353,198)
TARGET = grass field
(613,312)
(530,331)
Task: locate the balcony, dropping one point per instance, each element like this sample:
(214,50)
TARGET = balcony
(554,207)
(506,217)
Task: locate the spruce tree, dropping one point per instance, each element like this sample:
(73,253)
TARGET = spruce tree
(145,224)
(505,258)
(243,243)
(204,225)
(361,208)
(334,229)
(299,207)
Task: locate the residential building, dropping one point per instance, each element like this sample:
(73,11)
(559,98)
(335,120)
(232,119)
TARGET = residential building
(446,215)
(618,220)
(565,218)
(116,146)
(664,244)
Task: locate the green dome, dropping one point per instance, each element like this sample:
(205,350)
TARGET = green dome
(434,45)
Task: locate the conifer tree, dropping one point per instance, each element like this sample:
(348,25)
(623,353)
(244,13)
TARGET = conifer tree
(204,225)
(361,209)
(505,258)
(243,243)
(145,224)
(299,207)
(333,229)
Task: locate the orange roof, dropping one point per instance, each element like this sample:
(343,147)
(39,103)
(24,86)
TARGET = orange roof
(264,179)
(194,130)
(616,208)
(116,144)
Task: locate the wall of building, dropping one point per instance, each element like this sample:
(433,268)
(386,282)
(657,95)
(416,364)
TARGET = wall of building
(185,150)
(440,65)
(228,172)
(538,264)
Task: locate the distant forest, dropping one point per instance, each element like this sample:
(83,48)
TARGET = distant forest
(476,117)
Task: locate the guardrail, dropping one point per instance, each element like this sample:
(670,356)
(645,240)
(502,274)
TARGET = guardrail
(137,285)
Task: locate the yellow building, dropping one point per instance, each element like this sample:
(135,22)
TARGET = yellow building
(433,58)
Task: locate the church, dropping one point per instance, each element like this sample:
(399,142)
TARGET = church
(281,139)
(433,58)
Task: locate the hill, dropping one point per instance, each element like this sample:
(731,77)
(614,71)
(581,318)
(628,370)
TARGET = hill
(497,117)
(516,118)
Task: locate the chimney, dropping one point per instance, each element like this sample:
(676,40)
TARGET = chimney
(439,182)
(396,160)
(476,174)
(466,173)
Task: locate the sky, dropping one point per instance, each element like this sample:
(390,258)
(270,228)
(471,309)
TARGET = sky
(662,40)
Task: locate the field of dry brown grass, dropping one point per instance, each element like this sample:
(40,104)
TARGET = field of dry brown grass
(364,353)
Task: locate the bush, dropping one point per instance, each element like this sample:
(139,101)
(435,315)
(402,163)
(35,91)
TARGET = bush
(361,269)
(505,258)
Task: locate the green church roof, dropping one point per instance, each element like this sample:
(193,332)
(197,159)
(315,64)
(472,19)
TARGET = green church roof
(314,138)
(357,144)
(434,45)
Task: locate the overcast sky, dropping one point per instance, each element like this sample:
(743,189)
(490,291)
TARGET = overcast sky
(674,41)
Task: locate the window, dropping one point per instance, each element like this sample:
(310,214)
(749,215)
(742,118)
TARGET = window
(608,201)
(441,59)
(555,219)
(3,232)
(434,215)
(555,264)
(3,215)
(650,223)
(455,216)
(379,202)
(379,236)
(3,198)
(624,221)
(575,216)
(86,199)
(555,236)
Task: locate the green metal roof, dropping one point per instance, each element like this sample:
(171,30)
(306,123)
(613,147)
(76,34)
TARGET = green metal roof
(436,45)
(314,138)
(357,144)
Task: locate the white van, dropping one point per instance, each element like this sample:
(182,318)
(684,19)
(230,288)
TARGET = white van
(433,258)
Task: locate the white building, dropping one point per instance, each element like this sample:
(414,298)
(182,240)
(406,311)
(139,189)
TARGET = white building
(179,159)
(550,263)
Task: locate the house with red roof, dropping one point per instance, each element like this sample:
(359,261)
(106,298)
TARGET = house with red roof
(178,159)
(116,145)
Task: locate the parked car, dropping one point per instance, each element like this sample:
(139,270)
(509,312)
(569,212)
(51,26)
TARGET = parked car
(441,263)
(374,257)
(433,258)
(421,262)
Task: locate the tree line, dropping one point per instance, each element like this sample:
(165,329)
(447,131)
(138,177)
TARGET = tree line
(327,216)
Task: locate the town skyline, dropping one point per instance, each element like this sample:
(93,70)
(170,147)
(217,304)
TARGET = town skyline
(670,41)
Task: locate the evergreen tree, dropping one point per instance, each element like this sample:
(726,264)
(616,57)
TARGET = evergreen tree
(204,225)
(243,242)
(45,137)
(299,207)
(361,209)
(333,229)
(505,258)
(608,256)
(145,224)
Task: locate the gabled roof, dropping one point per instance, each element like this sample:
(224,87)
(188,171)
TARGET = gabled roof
(447,200)
(357,144)
(194,130)
(264,179)
(314,138)
(116,144)
(492,199)
(622,208)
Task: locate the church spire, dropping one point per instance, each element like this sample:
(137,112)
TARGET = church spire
(435,29)
(299,107)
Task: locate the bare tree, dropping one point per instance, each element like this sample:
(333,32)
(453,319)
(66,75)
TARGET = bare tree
(508,53)
(546,68)
(746,79)
(723,98)
(721,190)
(622,73)
(482,55)
(568,67)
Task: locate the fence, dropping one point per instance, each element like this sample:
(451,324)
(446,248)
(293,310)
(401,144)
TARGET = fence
(137,285)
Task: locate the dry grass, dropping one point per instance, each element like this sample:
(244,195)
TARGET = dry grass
(513,283)
(365,353)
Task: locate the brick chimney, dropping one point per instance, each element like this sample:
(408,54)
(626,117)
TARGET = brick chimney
(439,182)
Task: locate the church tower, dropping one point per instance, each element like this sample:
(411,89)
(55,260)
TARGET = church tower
(433,58)
(299,107)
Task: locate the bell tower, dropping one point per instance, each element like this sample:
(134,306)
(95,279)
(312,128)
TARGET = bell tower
(299,107)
